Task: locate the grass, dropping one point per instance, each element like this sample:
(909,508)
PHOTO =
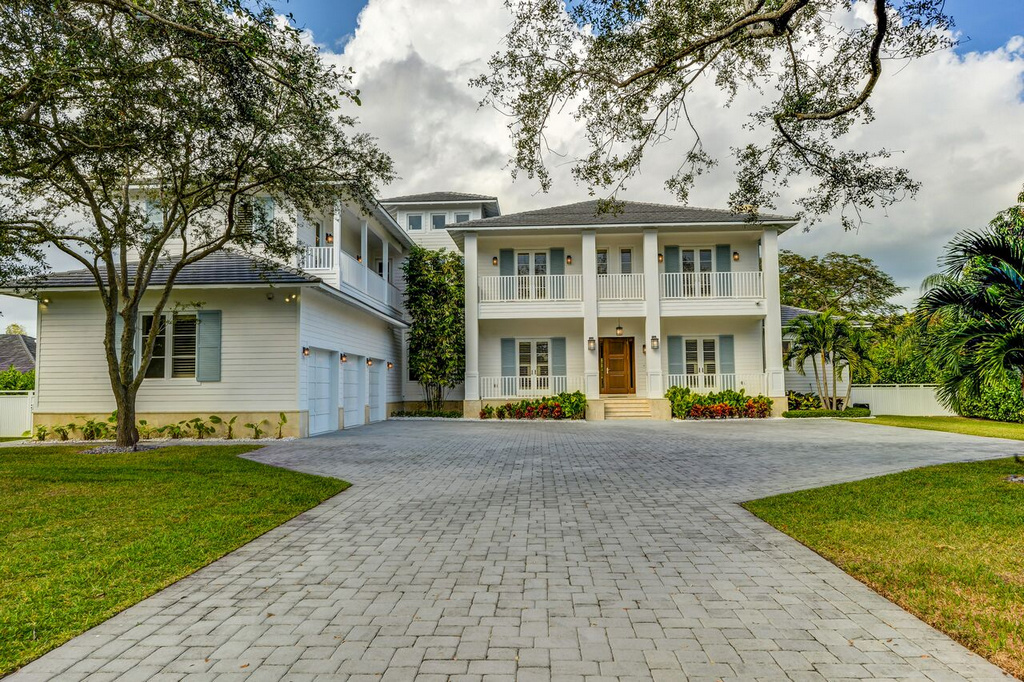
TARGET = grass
(964,425)
(85,536)
(7,438)
(943,542)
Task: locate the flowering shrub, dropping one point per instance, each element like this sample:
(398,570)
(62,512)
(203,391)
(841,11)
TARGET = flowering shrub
(561,406)
(723,405)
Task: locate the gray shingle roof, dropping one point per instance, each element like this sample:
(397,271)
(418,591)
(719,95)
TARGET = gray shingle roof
(790,313)
(18,351)
(585,213)
(223,267)
(434,197)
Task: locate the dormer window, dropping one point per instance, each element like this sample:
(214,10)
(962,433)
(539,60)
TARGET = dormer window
(462,217)
(414,221)
(438,221)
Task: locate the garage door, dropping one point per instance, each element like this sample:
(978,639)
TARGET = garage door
(376,392)
(355,414)
(321,404)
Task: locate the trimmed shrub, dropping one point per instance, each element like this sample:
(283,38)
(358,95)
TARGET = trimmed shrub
(803,401)
(722,405)
(445,414)
(1000,401)
(852,413)
(562,406)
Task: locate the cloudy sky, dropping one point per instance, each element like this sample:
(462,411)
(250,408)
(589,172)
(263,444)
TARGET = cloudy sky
(955,117)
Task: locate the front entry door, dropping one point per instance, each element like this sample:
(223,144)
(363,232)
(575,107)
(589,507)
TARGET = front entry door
(616,369)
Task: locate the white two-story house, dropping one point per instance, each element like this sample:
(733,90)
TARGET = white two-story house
(621,305)
(318,340)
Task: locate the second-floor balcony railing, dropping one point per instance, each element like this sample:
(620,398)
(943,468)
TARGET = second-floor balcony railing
(317,258)
(620,287)
(346,270)
(712,285)
(509,288)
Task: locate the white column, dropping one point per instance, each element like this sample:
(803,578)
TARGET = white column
(469,251)
(652,309)
(591,378)
(384,270)
(363,248)
(772,314)
(336,234)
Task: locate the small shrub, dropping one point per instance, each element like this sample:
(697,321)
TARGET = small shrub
(282,419)
(257,428)
(94,429)
(803,401)
(200,427)
(13,380)
(175,431)
(727,404)
(145,432)
(229,424)
(41,432)
(444,414)
(487,412)
(64,430)
(562,406)
(851,413)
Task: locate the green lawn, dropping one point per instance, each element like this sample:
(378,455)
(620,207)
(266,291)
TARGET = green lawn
(943,542)
(85,536)
(965,425)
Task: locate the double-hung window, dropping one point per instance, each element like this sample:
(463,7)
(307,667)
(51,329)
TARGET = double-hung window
(174,352)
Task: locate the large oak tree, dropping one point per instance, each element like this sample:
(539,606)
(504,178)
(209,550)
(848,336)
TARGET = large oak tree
(198,109)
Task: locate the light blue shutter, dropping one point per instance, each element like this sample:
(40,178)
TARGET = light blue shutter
(506,263)
(727,360)
(675,355)
(672,266)
(558,364)
(557,265)
(508,357)
(208,346)
(723,263)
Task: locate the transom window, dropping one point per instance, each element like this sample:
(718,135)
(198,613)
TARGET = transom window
(438,220)
(174,352)
(414,221)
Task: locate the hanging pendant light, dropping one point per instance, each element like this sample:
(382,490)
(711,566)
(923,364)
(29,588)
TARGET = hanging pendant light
(618,329)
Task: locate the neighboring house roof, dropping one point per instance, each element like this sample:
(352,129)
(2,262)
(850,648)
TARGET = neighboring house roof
(791,312)
(17,350)
(223,267)
(438,197)
(585,214)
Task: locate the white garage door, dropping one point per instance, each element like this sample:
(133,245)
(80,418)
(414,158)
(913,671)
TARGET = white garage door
(355,414)
(321,403)
(376,392)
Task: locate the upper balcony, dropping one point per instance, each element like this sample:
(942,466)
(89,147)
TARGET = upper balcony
(347,273)
(531,296)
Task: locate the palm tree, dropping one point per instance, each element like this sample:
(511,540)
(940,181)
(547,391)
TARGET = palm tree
(827,339)
(975,314)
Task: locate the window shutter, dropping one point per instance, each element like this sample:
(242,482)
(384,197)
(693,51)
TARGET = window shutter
(557,265)
(243,217)
(675,355)
(723,258)
(726,354)
(208,346)
(508,357)
(506,262)
(672,259)
(558,357)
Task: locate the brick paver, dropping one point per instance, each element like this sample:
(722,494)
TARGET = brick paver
(580,552)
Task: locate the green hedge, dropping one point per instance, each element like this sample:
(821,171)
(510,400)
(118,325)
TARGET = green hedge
(562,406)
(852,413)
(723,405)
(445,414)
(13,380)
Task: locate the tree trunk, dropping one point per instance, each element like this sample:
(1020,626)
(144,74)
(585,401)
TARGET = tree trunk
(849,390)
(826,400)
(127,431)
(817,381)
(835,385)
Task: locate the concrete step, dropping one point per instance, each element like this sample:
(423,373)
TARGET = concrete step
(627,408)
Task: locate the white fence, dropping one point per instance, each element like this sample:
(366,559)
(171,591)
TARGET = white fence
(507,288)
(629,287)
(318,258)
(753,384)
(16,412)
(911,400)
(712,285)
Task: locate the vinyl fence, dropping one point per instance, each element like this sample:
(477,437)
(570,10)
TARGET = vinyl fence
(911,400)
(16,412)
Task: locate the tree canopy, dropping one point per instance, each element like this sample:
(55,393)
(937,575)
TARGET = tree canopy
(142,135)
(850,284)
(629,69)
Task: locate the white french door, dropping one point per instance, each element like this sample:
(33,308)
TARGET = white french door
(698,267)
(532,268)
(701,363)
(534,367)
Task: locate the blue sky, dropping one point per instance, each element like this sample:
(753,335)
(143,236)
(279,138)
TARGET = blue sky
(986,23)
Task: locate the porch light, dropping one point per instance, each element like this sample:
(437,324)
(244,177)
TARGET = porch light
(655,343)
(618,329)
(305,351)
(369,362)
(661,258)
(329,238)
(568,260)
(391,365)
(591,343)
(735,255)
(344,358)
(494,261)
(359,258)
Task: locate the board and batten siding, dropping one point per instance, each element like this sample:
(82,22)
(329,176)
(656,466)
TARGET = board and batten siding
(328,324)
(259,354)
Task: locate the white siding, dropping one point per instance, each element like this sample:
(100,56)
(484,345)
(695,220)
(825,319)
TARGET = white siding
(746,332)
(493,331)
(428,237)
(259,356)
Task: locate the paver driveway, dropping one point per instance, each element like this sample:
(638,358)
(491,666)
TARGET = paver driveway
(487,551)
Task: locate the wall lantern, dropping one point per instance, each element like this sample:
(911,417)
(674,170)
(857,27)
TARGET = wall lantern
(369,362)
(661,258)
(494,261)
(591,343)
(391,365)
(344,357)
(44,301)
(655,343)
(618,329)
(359,258)
(305,351)
(568,260)
(330,238)
(735,255)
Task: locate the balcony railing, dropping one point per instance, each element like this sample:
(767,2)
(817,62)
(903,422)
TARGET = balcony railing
(620,287)
(712,285)
(528,386)
(318,258)
(753,384)
(508,288)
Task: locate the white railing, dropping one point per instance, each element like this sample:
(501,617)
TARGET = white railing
(712,285)
(351,271)
(916,400)
(360,277)
(16,412)
(507,288)
(620,287)
(528,387)
(318,258)
(395,297)
(753,384)
(376,287)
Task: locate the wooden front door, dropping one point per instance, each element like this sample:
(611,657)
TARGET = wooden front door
(617,374)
